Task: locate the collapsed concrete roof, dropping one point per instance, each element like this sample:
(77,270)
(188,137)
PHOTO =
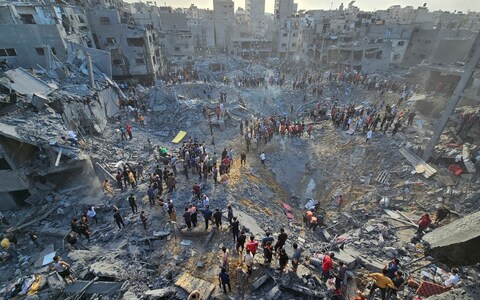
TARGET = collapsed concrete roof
(23,82)
(458,243)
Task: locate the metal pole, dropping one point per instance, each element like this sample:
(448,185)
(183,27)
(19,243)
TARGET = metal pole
(90,71)
(470,65)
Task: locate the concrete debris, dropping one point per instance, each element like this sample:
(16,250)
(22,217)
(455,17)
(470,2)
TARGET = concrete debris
(290,154)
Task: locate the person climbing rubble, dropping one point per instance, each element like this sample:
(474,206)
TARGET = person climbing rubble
(382,282)
(423,223)
(62,268)
(107,188)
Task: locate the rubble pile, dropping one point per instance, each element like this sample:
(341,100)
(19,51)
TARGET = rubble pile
(385,184)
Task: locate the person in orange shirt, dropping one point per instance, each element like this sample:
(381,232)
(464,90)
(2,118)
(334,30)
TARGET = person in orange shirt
(382,281)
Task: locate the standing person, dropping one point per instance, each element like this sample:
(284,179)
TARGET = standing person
(243,158)
(144,219)
(83,228)
(117,217)
(262,158)
(187,216)
(131,179)
(369,135)
(398,281)
(140,170)
(281,240)
(224,280)
(235,228)
(231,154)
(217,216)
(252,245)
(268,252)
(133,203)
(423,223)
(119,178)
(230,214)
(71,240)
(215,174)
(442,213)
(185,168)
(129,131)
(327,265)
(248,259)
(283,260)
(395,128)
(340,278)
(62,268)
(171,211)
(241,242)
(225,258)
(123,134)
(196,190)
(92,214)
(151,195)
(193,215)
(382,281)
(207,215)
(206,201)
(297,253)
(224,180)
(340,202)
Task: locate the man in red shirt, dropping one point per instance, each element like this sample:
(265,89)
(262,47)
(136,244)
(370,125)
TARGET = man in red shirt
(327,266)
(129,131)
(252,245)
(423,223)
(197,190)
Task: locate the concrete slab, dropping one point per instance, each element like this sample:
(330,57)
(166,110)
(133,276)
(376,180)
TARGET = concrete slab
(457,243)
(250,223)
(190,283)
(260,281)
(102,287)
(274,293)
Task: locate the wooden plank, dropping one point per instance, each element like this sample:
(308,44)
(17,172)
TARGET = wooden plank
(190,283)
(407,218)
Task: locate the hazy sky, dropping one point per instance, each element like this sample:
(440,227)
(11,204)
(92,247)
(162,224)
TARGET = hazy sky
(445,5)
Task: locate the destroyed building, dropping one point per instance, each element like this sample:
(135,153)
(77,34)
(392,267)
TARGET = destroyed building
(33,35)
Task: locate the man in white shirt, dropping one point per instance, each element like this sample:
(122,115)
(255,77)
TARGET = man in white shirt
(453,279)
(206,201)
(369,135)
(262,158)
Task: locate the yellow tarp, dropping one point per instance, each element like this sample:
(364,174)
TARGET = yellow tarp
(36,285)
(179,137)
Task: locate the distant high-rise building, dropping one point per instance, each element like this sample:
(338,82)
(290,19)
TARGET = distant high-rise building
(284,8)
(255,10)
(224,20)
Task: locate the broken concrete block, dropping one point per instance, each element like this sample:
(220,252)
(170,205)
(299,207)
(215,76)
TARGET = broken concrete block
(260,281)
(39,100)
(201,264)
(274,293)
(164,293)
(186,242)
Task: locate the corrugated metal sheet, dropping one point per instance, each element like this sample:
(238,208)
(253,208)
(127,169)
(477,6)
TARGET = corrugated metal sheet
(418,163)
